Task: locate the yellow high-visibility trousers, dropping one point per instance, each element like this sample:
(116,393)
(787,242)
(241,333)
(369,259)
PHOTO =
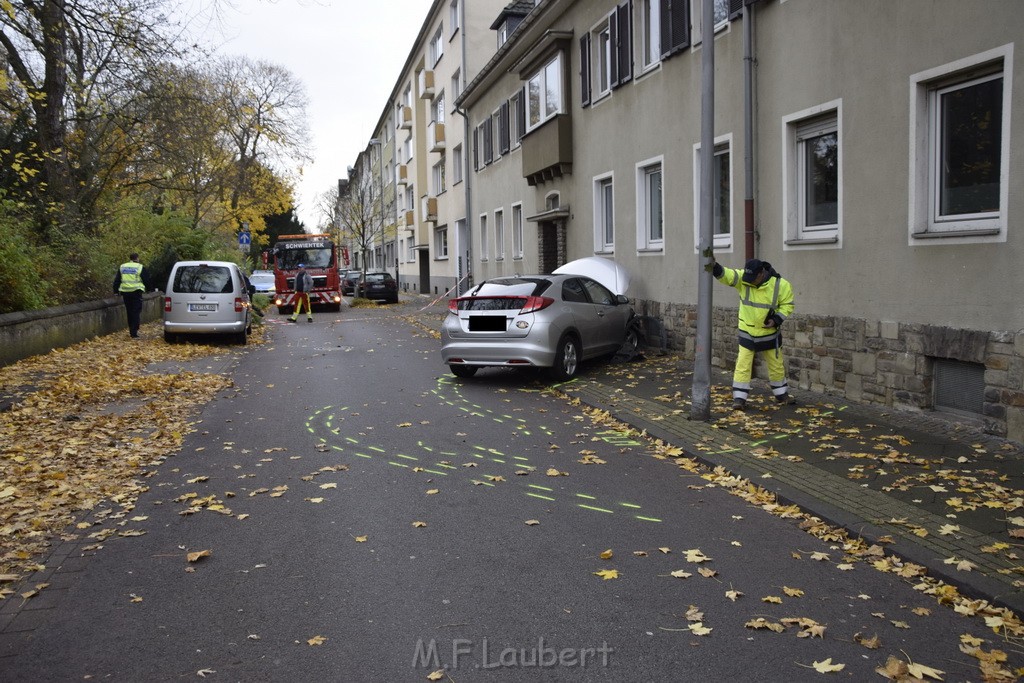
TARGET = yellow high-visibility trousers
(744,370)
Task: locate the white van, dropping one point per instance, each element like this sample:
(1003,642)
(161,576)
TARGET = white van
(207,297)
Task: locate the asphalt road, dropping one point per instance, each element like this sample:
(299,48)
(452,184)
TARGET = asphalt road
(371,518)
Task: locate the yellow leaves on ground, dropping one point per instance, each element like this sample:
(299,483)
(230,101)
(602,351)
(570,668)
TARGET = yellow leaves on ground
(317,640)
(88,434)
(827,666)
(607,554)
(435,675)
(896,669)
(198,555)
(699,629)
(419,525)
(360,539)
(607,574)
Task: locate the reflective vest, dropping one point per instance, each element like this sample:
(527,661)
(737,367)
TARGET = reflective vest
(774,294)
(131,277)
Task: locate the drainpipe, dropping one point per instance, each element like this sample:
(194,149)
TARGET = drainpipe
(748,130)
(467,176)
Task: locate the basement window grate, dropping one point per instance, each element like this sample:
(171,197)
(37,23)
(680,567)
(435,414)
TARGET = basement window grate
(959,386)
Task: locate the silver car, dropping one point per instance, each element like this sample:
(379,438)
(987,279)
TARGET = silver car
(207,297)
(548,321)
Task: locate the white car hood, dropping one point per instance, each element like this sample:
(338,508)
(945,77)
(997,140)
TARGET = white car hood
(607,272)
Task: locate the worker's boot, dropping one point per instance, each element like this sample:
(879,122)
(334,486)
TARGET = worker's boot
(739,404)
(786,399)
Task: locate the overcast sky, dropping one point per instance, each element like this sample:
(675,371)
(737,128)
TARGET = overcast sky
(347,53)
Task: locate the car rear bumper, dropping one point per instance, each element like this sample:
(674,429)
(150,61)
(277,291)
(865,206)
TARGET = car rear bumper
(205,327)
(507,352)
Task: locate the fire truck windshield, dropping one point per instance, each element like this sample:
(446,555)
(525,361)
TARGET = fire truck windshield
(310,254)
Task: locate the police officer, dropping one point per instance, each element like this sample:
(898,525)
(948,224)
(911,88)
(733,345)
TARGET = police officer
(131,281)
(766,300)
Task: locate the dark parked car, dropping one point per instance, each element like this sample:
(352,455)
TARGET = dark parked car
(349,281)
(378,286)
(549,321)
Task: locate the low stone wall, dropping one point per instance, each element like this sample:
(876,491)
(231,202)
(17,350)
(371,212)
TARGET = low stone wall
(877,362)
(32,333)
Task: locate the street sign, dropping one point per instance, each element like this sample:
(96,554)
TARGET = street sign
(244,240)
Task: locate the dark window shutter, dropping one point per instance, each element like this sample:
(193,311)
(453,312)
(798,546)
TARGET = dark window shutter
(675,26)
(613,39)
(504,142)
(476,148)
(736,7)
(584,69)
(520,115)
(488,142)
(622,39)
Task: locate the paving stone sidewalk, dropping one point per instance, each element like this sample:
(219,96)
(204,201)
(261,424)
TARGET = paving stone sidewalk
(939,487)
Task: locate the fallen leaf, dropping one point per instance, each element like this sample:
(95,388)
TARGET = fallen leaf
(827,666)
(419,525)
(198,555)
(532,522)
(606,555)
(317,640)
(699,629)
(607,574)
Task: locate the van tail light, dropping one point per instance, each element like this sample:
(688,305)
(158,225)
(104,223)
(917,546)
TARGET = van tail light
(239,306)
(536,303)
(167,304)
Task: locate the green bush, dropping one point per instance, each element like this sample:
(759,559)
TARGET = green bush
(22,286)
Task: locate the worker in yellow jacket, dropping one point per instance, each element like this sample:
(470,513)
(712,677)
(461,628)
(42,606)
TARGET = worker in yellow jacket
(766,300)
(130,282)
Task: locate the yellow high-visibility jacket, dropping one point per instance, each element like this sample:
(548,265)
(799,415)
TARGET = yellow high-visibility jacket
(773,296)
(131,277)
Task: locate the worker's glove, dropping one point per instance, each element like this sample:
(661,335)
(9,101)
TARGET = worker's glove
(709,267)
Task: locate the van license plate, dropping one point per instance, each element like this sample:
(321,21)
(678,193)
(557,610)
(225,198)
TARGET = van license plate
(202,307)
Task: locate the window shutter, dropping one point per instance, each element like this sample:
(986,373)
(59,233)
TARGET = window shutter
(504,142)
(622,39)
(736,7)
(488,142)
(520,116)
(476,148)
(675,26)
(584,69)
(613,47)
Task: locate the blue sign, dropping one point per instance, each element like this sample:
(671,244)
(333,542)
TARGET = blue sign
(244,238)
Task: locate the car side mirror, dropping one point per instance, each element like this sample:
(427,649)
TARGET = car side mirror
(621,299)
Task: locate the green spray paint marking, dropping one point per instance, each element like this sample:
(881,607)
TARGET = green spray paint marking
(541,488)
(537,495)
(630,505)
(583,495)
(407,457)
(647,519)
(595,509)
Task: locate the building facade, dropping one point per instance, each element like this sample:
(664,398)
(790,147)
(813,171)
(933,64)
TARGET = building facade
(417,153)
(864,149)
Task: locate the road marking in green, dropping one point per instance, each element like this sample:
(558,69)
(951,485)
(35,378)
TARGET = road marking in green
(398,464)
(364,455)
(595,509)
(443,474)
(377,448)
(583,495)
(630,505)
(446,466)
(537,495)
(351,440)
(541,488)
(647,519)
(498,460)
(407,457)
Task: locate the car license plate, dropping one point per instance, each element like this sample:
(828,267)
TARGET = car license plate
(202,307)
(487,323)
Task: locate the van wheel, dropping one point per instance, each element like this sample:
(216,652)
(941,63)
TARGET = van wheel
(241,338)
(567,359)
(170,337)
(463,370)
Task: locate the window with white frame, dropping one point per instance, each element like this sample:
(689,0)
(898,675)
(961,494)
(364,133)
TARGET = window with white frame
(496,134)
(407,96)
(813,190)
(407,150)
(499,234)
(603,62)
(437,178)
(457,162)
(515,107)
(437,108)
(441,242)
(410,198)
(960,148)
(650,32)
(437,46)
(410,249)
(485,243)
(721,199)
(454,18)
(650,206)
(544,93)
(721,13)
(456,84)
(517,231)
(604,214)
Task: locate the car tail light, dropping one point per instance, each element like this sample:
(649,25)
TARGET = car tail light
(239,306)
(536,303)
(453,306)
(167,304)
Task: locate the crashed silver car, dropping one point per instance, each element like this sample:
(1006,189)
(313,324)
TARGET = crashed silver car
(548,321)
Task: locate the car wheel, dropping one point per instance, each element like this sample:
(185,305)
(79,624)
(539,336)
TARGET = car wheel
(463,370)
(170,337)
(631,346)
(567,358)
(393,299)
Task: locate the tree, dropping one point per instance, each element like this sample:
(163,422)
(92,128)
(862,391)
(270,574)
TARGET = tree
(361,211)
(74,65)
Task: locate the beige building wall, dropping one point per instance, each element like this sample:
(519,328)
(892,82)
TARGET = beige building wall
(879,306)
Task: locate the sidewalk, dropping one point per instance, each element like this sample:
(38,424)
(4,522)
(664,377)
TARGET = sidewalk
(933,488)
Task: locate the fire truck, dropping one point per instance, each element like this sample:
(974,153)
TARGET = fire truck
(320,257)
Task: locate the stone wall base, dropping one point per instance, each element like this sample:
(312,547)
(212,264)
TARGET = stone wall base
(877,362)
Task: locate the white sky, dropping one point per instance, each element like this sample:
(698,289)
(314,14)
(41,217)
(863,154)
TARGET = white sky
(347,53)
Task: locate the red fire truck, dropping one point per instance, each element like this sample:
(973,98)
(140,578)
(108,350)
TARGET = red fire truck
(320,257)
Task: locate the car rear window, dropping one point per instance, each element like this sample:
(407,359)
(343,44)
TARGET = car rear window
(502,295)
(202,279)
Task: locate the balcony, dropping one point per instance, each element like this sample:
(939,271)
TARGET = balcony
(429,209)
(435,137)
(410,219)
(405,117)
(401,175)
(426,84)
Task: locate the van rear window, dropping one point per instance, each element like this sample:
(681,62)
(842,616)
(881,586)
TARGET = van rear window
(202,279)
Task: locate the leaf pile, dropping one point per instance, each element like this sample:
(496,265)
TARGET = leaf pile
(75,449)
